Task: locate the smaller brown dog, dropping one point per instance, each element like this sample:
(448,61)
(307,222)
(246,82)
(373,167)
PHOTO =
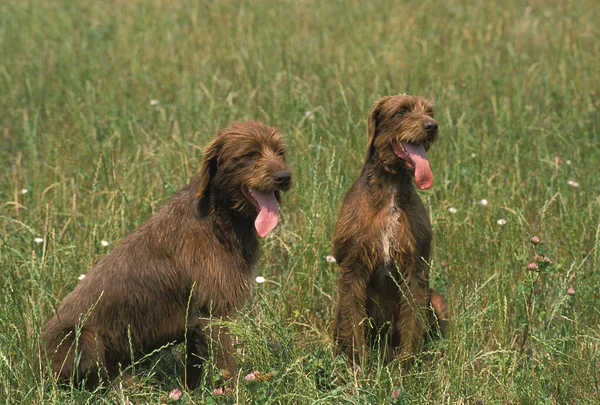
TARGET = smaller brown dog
(382,239)
(190,262)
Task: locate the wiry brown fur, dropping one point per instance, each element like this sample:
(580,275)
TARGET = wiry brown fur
(382,241)
(191,261)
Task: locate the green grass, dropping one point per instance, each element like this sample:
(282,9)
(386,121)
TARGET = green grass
(516,85)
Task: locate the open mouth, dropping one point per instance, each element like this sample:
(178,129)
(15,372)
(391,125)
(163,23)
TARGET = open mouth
(268,210)
(400,151)
(416,160)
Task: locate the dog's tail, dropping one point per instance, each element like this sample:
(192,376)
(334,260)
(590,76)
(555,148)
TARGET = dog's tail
(439,318)
(75,354)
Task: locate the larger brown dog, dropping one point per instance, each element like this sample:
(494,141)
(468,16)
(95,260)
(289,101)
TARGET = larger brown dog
(382,239)
(191,261)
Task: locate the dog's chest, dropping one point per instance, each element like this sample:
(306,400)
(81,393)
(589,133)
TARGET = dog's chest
(404,233)
(388,236)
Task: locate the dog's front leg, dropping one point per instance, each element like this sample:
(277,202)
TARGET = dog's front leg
(222,346)
(351,315)
(413,322)
(208,336)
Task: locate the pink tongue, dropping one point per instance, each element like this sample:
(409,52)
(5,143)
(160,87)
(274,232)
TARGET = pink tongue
(423,175)
(268,215)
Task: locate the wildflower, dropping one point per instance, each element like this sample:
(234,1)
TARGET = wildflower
(228,391)
(572,183)
(444,263)
(260,376)
(532,266)
(473,154)
(501,221)
(571,291)
(558,160)
(396,393)
(547,259)
(483,202)
(568,162)
(251,376)
(317,215)
(218,391)
(539,258)
(309,115)
(81,277)
(330,259)
(225,374)
(175,394)
(535,240)
(38,240)
(153,102)
(24,191)
(452,210)
(104,243)
(259,279)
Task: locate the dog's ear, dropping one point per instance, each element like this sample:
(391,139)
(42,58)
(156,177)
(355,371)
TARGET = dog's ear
(207,172)
(372,123)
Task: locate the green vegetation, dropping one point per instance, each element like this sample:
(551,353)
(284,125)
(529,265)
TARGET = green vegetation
(87,156)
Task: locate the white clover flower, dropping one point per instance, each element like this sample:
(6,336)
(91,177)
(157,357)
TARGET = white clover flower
(154,102)
(572,183)
(452,210)
(501,221)
(81,277)
(473,154)
(24,191)
(38,240)
(330,259)
(568,162)
(309,115)
(259,279)
(104,243)
(483,202)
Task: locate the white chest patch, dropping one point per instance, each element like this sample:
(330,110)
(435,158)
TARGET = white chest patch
(388,234)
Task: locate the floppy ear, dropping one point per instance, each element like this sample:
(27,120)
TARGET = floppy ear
(207,172)
(374,119)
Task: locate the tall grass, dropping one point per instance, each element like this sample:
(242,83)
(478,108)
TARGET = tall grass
(516,86)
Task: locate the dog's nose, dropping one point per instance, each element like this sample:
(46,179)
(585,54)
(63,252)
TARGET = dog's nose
(282,177)
(430,125)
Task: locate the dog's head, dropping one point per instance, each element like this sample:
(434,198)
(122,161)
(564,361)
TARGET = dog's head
(401,129)
(244,166)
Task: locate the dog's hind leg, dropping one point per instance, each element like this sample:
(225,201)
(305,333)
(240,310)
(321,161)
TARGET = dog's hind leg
(76,354)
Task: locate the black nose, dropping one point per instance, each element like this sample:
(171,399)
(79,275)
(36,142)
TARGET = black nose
(429,125)
(282,178)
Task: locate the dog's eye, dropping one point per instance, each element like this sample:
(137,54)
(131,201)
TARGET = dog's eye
(250,156)
(402,111)
(429,112)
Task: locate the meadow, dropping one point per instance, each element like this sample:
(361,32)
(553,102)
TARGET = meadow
(106,107)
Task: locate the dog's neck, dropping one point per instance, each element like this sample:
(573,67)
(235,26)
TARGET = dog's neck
(385,186)
(232,227)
